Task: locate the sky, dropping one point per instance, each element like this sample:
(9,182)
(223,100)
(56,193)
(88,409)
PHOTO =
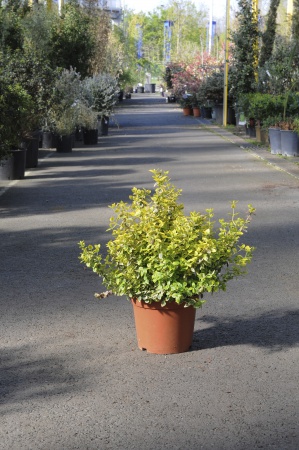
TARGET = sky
(148,5)
(144,6)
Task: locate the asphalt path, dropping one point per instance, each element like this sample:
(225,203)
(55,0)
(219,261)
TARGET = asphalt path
(71,375)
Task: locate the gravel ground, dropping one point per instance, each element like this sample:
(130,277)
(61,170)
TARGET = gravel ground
(72,376)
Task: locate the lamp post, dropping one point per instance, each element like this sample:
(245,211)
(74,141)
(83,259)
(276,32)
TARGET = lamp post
(255,5)
(50,4)
(167,40)
(290,10)
(60,5)
(225,88)
(290,7)
(210,27)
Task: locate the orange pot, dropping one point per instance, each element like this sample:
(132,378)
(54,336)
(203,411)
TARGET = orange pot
(196,112)
(187,111)
(163,329)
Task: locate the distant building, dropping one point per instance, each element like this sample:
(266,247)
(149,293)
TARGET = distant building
(114,7)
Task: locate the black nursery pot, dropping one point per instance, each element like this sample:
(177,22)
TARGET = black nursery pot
(104,126)
(32,152)
(90,137)
(6,168)
(64,143)
(48,139)
(19,163)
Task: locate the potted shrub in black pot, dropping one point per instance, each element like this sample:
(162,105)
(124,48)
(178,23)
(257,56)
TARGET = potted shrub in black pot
(62,113)
(210,95)
(87,120)
(261,110)
(15,109)
(64,131)
(101,94)
(48,136)
(33,73)
(165,261)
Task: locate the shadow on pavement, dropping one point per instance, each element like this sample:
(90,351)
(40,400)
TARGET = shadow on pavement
(25,377)
(276,330)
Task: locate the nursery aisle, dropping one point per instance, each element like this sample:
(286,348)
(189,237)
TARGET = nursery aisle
(72,376)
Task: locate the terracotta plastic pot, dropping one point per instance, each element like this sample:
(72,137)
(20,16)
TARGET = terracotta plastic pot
(196,112)
(163,329)
(187,111)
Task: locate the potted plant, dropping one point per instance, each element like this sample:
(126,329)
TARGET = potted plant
(100,93)
(185,103)
(289,136)
(205,105)
(272,124)
(195,106)
(48,134)
(275,108)
(64,128)
(36,77)
(257,108)
(289,125)
(62,112)
(87,119)
(165,261)
(15,108)
(125,80)
(211,94)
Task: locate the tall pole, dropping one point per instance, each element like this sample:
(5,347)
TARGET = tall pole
(226,64)
(167,40)
(210,26)
(290,8)
(60,5)
(255,6)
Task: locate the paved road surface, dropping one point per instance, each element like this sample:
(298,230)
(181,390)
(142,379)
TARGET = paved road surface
(72,376)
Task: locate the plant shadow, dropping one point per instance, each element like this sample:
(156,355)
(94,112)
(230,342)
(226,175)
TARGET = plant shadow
(275,331)
(26,378)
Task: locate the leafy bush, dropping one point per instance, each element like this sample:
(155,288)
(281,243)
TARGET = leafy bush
(15,107)
(159,254)
(72,43)
(260,106)
(11,30)
(36,78)
(280,72)
(212,88)
(100,93)
(62,111)
(86,116)
(245,50)
(263,106)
